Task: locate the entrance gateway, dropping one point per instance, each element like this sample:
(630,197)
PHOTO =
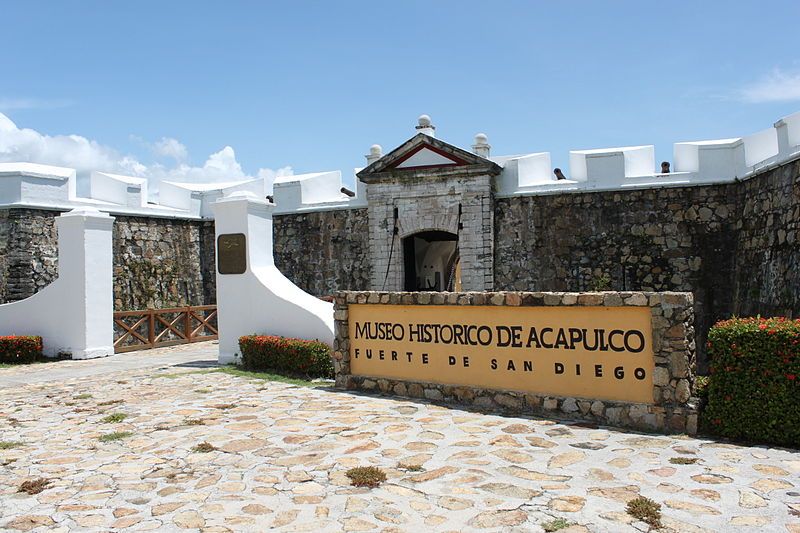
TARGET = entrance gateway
(431,262)
(431,219)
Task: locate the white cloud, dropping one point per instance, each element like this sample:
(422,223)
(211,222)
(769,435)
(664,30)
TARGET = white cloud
(84,155)
(173,148)
(777,86)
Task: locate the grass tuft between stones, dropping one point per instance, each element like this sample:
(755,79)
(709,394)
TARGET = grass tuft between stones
(366,476)
(555,524)
(409,467)
(116,435)
(204,447)
(683,460)
(646,510)
(114,418)
(194,422)
(34,486)
(8,444)
(84,396)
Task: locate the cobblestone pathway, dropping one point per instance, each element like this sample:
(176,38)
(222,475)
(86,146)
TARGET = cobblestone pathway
(282,452)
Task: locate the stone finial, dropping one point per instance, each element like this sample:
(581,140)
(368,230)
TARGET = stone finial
(425,126)
(481,146)
(375,153)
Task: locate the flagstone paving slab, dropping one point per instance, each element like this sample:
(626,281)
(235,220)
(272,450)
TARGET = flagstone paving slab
(279,453)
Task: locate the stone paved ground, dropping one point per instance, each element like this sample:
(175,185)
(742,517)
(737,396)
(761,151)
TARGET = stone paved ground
(283,452)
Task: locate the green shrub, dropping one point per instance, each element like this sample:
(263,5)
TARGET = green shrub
(290,356)
(754,385)
(17,349)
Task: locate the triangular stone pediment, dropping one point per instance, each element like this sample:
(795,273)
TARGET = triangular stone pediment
(426,155)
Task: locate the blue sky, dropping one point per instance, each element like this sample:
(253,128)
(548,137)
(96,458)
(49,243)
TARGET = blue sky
(311,85)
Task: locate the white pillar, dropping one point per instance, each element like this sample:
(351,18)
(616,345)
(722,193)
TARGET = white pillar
(74,314)
(260,300)
(86,265)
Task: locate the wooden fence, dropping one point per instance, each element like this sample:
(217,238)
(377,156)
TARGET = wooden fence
(154,328)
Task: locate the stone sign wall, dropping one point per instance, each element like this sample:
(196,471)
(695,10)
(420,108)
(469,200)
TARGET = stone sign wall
(380,354)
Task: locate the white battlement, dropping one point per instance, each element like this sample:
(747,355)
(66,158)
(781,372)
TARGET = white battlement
(788,130)
(607,167)
(197,198)
(30,183)
(314,191)
(116,189)
(694,163)
(718,160)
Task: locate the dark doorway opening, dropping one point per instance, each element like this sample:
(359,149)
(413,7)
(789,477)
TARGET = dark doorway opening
(431,262)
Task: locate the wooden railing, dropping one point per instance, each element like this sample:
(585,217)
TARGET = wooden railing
(154,328)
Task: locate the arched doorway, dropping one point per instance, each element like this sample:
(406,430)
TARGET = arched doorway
(431,261)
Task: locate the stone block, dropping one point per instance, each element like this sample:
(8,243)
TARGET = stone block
(508,401)
(683,391)
(497,299)
(569,298)
(484,402)
(569,405)
(661,376)
(415,390)
(433,394)
(590,299)
(637,299)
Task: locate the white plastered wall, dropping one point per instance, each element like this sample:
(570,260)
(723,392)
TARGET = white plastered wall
(261,300)
(75,313)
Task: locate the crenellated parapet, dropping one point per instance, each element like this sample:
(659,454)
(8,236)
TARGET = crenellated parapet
(36,185)
(317,191)
(604,169)
(635,167)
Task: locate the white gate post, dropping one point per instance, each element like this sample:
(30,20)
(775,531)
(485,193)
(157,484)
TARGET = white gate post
(86,266)
(74,314)
(253,297)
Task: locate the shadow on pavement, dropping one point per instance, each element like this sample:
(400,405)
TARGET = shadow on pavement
(210,363)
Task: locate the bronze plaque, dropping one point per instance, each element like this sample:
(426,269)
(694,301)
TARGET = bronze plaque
(232,253)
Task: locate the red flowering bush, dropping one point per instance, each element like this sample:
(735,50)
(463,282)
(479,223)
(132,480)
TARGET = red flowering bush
(754,385)
(287,356)
(20,349)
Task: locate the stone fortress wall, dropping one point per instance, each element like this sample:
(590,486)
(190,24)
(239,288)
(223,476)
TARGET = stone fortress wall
(723,225)
(158,262)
